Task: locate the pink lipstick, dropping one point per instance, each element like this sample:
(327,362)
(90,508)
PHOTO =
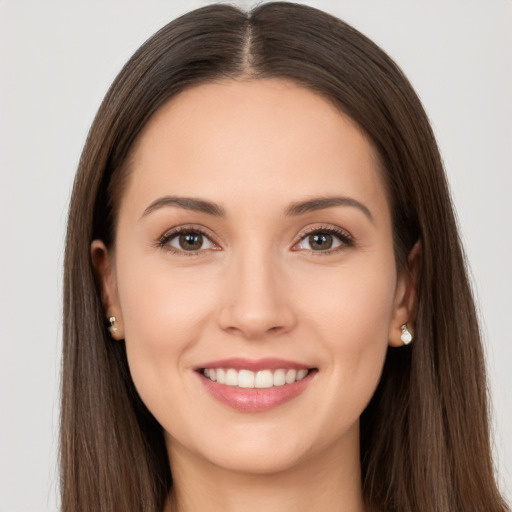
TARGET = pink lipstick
(255,385)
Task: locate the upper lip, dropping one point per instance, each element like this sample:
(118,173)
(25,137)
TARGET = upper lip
(267,363)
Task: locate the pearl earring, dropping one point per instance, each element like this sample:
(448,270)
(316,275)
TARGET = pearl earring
(113,329)
(406,336)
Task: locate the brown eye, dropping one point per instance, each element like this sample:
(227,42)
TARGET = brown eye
(190,241)
(324,240)
(187,241)
(320,241)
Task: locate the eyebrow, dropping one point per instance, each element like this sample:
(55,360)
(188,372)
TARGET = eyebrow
(321,203)
(187,203)
(295,209)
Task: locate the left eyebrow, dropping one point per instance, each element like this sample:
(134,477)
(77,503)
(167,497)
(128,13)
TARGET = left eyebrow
(186,203)
(321,203)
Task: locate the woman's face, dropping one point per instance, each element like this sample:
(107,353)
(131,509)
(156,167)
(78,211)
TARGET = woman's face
(254,240)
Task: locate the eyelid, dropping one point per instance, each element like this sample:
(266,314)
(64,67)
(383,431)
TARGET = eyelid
(163,241)
(346,239)
(344,236)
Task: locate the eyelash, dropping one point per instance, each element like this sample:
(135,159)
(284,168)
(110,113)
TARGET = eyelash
(163,241)
(345,238)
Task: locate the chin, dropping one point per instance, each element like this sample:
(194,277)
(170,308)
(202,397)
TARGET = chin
(265,450)
(257,462)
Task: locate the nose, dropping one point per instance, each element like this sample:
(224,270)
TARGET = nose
(257,303)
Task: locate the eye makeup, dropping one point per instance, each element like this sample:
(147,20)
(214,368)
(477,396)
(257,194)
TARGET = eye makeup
(195,241)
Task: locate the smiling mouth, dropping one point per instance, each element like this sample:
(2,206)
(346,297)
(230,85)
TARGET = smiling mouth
(255,385)
(262,379)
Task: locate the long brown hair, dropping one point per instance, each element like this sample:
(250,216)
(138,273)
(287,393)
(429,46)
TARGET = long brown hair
(424,435)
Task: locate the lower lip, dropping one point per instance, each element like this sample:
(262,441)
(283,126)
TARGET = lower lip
(256,399)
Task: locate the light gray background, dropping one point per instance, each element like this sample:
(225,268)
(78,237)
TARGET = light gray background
(57,60)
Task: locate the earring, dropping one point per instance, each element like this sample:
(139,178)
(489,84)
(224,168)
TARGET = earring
(113,329)
(406,336)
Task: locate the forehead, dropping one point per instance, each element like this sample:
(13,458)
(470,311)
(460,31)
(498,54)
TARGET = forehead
(257,140)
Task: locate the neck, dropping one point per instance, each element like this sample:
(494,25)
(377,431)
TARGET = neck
(326,482)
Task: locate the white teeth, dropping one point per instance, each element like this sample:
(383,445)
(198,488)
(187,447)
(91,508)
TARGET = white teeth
(279,377)
(231,378)
(263,379)
(248,379)
(221,376)
(290,376)
(245,379)
(301,374)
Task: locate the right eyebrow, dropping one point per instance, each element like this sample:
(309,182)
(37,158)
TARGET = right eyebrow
(321,203)
(187,203)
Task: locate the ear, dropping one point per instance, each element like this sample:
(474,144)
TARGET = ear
(406,297)
(103,263)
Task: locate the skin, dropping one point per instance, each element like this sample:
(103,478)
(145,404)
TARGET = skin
(258,289)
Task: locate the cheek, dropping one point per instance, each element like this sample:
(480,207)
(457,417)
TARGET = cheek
(164,314)
(162,305)
(350,316)
(352,305)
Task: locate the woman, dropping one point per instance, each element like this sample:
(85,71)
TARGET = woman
(265,300)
